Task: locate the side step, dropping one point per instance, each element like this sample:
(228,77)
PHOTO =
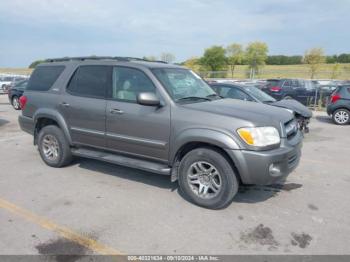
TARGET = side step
(123,160)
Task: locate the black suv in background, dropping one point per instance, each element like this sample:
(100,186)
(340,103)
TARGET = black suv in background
(290,88)
(339,106)
(16,92)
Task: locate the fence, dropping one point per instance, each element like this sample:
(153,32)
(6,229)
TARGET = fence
(243,72)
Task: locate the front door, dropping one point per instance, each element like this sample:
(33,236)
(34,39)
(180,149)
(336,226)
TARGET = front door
(133,128)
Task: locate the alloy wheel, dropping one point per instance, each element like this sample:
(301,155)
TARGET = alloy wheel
(50,147)
(204,179)
(341,117)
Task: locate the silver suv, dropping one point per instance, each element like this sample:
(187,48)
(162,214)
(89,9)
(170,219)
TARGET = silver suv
(161,118)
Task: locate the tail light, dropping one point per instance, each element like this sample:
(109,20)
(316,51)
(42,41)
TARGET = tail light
(275,89)
(334,98)
(23,102)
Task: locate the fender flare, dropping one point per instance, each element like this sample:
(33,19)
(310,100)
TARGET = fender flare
(201,135)
(54,115)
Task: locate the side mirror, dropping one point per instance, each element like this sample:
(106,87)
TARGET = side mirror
(148,99)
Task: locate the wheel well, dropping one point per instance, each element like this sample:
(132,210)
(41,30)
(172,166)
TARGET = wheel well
(40,123)
(342,107)
(194,145)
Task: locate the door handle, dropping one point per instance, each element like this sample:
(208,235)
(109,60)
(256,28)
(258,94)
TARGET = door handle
(116,111)
(65,104)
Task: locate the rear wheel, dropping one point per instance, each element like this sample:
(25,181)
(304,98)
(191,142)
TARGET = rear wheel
(15,103)
(207,178)
(53,147)
(341,116)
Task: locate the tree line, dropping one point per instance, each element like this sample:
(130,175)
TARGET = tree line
(255,55)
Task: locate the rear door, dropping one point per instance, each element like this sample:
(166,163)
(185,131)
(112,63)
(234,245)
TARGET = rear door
(133,128)
(84,104)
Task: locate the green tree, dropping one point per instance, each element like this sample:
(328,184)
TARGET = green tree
(344,58)
(235,55)
(256,56)
(167,57)
(35,63)
(314,57)
(214,58)
(192,63)
(150,58)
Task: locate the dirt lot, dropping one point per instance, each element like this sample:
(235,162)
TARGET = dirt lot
(92,207)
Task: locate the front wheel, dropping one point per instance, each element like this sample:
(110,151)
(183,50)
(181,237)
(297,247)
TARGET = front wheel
(207,178)
(341,116)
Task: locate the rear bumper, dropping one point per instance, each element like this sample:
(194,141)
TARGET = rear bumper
(330,109)
(26,124)
(268,167)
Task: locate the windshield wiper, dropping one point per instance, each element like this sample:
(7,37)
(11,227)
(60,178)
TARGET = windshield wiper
(193,98)
(214,95)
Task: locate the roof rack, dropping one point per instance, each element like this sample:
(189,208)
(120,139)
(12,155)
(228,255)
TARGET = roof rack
(117,58)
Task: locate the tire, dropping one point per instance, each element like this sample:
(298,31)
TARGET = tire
(341,116)
(15,103)
(52,137)
(287,97)
(202,159)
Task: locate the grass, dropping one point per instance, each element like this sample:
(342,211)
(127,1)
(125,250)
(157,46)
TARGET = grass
(287,71)
(16,71)
(268,71)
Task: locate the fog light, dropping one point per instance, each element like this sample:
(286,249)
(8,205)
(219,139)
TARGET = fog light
(274,170)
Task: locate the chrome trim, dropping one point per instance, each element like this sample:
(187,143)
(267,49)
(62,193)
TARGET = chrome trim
(137,140)
(88,131)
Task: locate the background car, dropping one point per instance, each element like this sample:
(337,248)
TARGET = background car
(339,105)
(290,89)
(16,92)
(6,82)
(254,94)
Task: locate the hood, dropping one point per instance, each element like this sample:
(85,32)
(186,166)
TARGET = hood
(294,105)
(256,113)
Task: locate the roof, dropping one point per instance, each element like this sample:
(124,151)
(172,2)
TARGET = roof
(108,60)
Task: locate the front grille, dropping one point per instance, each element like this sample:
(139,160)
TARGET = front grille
(291,128)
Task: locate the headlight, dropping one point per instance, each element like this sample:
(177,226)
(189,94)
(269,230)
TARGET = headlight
(259,136)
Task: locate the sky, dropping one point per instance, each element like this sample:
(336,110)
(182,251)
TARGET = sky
(39,29)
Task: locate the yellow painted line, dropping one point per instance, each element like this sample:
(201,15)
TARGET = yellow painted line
(61,230)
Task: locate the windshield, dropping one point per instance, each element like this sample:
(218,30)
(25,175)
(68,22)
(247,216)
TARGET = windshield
(258,94)
(183,83)
(272,82)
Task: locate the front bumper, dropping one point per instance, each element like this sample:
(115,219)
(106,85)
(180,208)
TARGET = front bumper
(268,167)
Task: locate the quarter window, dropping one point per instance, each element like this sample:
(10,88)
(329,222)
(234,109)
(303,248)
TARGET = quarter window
(128,83)
(44,77)
(90,81)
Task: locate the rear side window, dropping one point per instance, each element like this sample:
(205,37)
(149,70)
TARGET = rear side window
(287,83)
(44,77)
(91,81)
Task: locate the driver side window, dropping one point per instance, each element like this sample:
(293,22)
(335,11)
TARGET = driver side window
(238,94)
(128,83)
